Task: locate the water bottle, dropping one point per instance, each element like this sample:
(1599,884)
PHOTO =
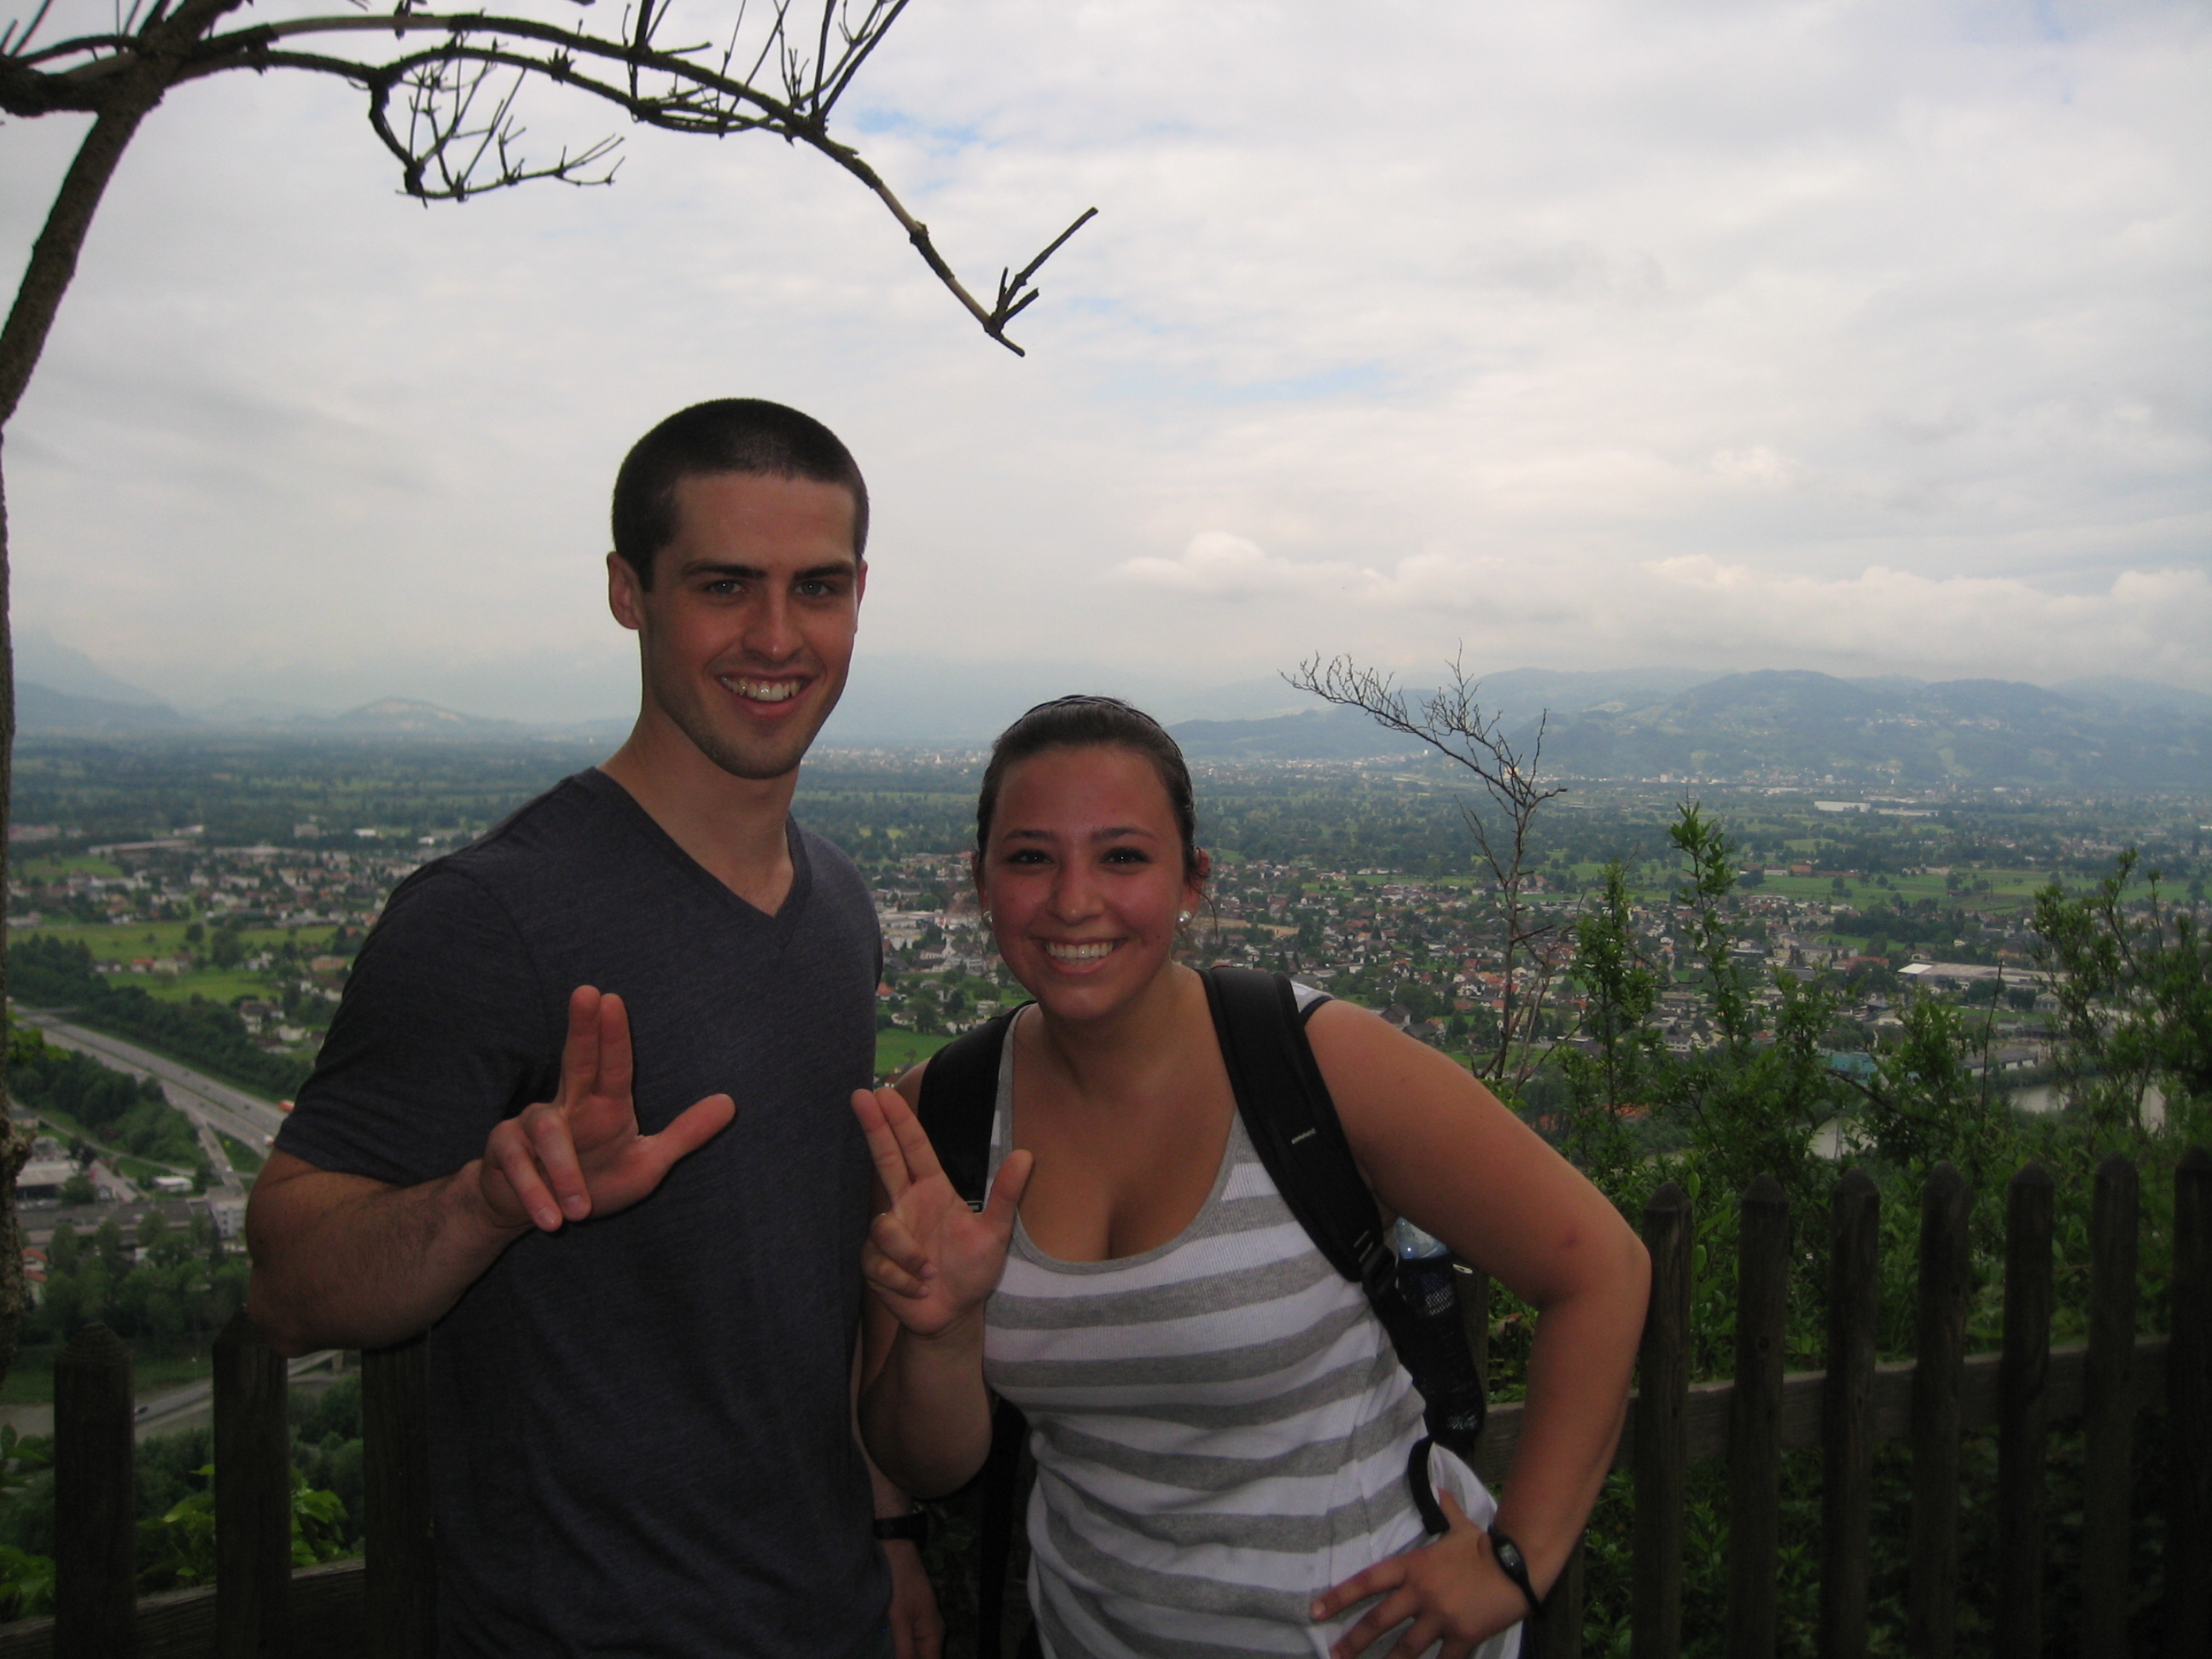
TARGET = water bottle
(1442,1369)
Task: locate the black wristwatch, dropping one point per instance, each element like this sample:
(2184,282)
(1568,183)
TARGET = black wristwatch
(914,1527)
(1513,1565)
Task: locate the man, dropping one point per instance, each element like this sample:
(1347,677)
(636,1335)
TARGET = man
(519,1134)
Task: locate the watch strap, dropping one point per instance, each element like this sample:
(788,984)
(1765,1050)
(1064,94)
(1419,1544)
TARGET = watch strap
(1515,1566)
(913,1527)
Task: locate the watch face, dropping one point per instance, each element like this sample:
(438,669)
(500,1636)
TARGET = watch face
(1509,1557)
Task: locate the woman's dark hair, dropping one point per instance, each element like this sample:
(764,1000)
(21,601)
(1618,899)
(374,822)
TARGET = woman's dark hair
(1093,722)
(730,434)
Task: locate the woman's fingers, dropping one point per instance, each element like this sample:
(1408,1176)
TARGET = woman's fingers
(1391,1611)
(887,1276)
(1417,1640)
(913,1140)
(1006,1191)
(884,1149)
(1382,1576)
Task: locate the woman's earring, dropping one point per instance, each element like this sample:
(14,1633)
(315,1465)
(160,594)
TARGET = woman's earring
(1183,921)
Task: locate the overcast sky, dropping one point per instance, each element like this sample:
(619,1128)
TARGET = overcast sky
(1866,338)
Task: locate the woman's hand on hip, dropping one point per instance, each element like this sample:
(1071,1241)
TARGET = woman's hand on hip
(1453,1590)
(929,1258)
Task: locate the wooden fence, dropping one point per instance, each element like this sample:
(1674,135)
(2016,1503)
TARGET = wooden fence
(382,1607)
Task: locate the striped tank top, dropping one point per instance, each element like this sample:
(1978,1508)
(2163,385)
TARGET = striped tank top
(1220,1427)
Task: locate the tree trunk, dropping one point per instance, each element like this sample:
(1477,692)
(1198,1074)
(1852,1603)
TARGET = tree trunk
(45,280)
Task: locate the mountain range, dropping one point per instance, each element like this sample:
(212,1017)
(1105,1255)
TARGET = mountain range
(1783,726)
(1800,727)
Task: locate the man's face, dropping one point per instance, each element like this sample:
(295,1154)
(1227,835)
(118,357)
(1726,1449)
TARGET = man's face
(747,631)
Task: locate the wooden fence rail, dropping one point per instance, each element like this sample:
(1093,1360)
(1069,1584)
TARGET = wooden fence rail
(385,1607)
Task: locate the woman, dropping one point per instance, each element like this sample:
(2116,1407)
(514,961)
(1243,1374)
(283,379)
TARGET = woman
(1220,1424)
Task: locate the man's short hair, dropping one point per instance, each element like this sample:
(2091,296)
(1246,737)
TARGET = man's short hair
(729,434)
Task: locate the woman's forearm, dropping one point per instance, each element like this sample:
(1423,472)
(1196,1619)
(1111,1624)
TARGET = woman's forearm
(1579,1369)
(925,1416)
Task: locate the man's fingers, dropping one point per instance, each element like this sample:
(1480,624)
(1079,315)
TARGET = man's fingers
(546,1130)
(614,1078)
(508,1153)
(1006,1191)
(1454,1517)
(580,1051)
(883,1145)
(692,1127)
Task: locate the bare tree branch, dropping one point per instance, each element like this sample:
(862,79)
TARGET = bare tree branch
(1450,720)
(461,135)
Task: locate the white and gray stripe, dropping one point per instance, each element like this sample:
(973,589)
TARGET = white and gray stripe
(1220,1429)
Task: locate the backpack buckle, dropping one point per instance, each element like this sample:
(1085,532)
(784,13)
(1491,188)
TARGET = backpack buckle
(1378,1266)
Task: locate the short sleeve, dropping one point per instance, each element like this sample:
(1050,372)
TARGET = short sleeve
(444,1029)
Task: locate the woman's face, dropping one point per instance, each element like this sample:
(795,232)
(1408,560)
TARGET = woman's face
(1084,877)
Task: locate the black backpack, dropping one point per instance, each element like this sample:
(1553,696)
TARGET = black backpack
(1292,1125)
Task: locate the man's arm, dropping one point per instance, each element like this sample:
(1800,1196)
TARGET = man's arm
(343,1260)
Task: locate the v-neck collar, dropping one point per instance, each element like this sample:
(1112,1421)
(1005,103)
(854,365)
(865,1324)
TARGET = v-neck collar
(784,922)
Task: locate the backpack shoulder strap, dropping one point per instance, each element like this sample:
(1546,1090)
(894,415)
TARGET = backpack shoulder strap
(959,1094)
(1292,1123)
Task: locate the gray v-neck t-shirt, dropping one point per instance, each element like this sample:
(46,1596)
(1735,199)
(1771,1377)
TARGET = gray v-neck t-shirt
(641,1433)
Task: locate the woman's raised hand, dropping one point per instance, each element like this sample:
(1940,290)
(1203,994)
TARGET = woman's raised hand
(931,1258)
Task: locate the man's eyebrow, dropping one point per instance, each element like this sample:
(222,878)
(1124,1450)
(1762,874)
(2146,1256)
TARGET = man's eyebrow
(840,568)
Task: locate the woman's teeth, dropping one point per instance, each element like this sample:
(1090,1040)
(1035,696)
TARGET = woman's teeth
(1090,952)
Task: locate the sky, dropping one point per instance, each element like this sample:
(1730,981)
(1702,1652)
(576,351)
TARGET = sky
(1869,339)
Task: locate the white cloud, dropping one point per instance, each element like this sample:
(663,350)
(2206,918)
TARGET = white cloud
(1401,324)
(1221,566)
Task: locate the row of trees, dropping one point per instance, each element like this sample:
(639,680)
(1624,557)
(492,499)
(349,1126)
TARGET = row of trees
(45,971)
(129,1114)
(166,1290)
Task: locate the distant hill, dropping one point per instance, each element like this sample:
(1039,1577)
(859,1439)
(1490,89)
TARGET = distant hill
(41,708)
(1316,734)
(1783,726)
(1793,726)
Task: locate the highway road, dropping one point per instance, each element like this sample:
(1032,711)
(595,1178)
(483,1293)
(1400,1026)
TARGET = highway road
(210,1104)
(181,1407)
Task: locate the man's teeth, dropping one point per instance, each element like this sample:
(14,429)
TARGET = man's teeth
(1088,952)
(762,691)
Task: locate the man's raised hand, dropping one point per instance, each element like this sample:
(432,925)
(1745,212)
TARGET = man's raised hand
(579,1154)
(929,1257)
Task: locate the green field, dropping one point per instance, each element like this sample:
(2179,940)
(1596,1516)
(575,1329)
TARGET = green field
(896,1050)
(109,942)
(31,1378)
(56,868)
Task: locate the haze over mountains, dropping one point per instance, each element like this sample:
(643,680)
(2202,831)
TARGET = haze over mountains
(1778,725)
